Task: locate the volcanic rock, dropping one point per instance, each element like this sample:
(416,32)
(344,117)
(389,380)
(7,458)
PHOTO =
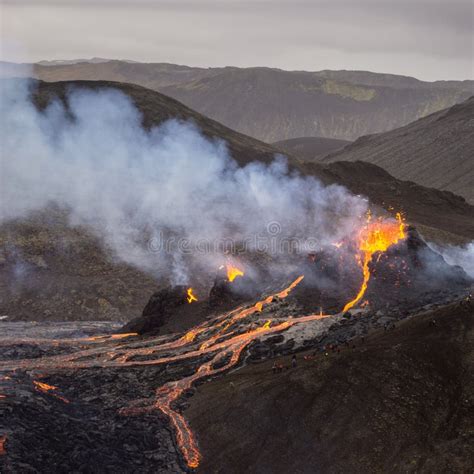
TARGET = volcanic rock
(158,309)
(411,274)
(406,276)
(225,293)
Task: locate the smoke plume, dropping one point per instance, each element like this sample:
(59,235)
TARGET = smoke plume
(141,189)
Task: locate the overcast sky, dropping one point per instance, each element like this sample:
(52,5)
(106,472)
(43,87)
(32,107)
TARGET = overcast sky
(428,39)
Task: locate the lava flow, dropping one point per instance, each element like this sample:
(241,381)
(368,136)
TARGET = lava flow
(227,346)
(3,440)
(220,341)
(190,296)
(376,236)
(45,388)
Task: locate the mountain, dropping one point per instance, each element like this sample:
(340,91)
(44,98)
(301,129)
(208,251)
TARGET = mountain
(274,105)
(52,270)
(311,148)
(64,62)
(435,151)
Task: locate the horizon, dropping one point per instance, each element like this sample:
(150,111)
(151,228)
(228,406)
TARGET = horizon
(94,59)
(426,39)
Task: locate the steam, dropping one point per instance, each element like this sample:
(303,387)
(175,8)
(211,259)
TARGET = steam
(460,256)
(140,189)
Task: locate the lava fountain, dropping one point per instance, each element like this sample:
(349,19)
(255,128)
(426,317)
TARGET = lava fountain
(376,236)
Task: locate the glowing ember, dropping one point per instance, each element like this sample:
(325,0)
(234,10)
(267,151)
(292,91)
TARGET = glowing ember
(191,296)
(233,272)
(111,336)
(45,388)
(376,236)
(3,440)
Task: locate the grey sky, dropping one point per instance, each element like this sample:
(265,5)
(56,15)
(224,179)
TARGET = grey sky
(428,39)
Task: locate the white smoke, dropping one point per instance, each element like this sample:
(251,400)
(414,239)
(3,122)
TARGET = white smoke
(133,186)
(461,256)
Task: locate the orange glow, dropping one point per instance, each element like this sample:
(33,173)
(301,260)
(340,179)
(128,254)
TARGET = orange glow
(45,388)
(111,336)
(191,296)
(376,236)
(216,344)
(3,440)
(233,272)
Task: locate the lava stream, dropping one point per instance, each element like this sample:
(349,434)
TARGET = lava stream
(220,338)
(377,236)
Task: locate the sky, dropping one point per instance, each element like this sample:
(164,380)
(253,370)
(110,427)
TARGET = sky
(427,39)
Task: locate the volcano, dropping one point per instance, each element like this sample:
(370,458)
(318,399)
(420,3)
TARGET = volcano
(54,271)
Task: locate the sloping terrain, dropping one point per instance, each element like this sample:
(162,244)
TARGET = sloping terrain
(440,215)
(311,148)
(400,401)
(50,271)
(276,105)
(435,151)
(272,104)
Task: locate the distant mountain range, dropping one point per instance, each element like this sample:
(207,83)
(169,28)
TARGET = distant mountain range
(272,104)
(435,151)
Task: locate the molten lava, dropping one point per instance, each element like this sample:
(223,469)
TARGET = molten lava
(191,296)
(45,388)
(3,440)
(233,272)
(220,340)
(375,237)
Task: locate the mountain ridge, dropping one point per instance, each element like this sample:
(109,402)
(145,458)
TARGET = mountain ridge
(435,151)
(273,104)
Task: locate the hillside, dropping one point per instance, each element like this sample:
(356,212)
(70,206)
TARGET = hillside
(435,151)
(52,270)
(311,148)
(400,401)
(274,105)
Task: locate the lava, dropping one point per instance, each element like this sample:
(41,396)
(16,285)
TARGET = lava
(233,272)
(3,440)
(191,297)
(221,340)
(45,388)
(375,237)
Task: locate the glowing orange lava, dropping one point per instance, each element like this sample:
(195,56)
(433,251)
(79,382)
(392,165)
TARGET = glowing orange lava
(111,336)
(191,296)
(376,236)
(45,388)
(3,440)
(233,272)
(221,341)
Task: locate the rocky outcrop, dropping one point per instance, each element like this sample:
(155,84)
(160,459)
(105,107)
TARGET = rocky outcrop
(158,309)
